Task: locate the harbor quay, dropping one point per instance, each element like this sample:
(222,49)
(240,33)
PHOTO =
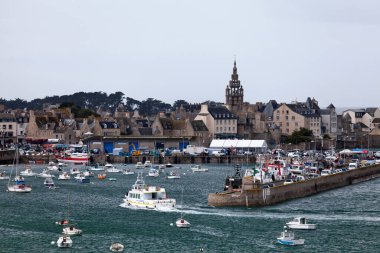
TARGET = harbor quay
(7,156)
(183,159)
(252,194)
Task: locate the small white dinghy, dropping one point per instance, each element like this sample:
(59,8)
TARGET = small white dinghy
(287,238)
(71,230)
(117,247)
(182,223)
(300,223)
(64,242)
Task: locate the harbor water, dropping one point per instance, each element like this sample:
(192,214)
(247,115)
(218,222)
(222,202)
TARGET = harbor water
(348,219)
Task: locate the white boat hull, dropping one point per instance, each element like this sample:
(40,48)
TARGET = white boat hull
(151,204)
(200,170)
(64,242)
(302,226)
(64,177)
(182,223)
(28,174)
(72,231)
(19,188)
(173,177)
(291,242)
(113,170)
(117,247)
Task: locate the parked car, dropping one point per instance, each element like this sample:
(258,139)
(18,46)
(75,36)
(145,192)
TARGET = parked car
(325,172)
(288,181)
(352,166)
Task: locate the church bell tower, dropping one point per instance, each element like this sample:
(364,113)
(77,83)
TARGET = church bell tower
(234,92)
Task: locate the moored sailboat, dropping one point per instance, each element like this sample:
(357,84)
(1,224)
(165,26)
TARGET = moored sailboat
(181,222)
(19,182)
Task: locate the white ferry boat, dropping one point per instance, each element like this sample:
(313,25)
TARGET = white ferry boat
(148,197)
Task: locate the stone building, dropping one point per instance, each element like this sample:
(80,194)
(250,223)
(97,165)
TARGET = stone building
(292,117)
(220,122)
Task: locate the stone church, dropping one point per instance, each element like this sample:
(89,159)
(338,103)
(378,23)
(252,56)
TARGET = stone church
(251,121)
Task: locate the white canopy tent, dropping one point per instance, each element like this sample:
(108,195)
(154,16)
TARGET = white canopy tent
(252,145)
(346,152)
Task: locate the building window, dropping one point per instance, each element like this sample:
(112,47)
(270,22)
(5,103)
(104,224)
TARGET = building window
(229,129)
(287,124)
(293,117)
(286,117)
(277,117)
(296,124)
(9,127)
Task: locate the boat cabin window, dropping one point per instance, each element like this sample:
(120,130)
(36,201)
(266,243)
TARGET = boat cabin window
(154,195)
(302,221)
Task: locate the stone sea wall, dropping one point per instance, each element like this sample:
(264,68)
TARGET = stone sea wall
(277,194)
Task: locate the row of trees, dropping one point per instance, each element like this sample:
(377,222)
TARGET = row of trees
(86,103)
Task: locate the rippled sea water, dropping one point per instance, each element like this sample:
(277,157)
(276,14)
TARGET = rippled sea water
(348,219)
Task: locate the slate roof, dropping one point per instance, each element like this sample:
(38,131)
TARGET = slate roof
(170,124)
(108,125)
(221,112)
(331,106)
(302,109)
(371,111)
(145,131)
(142,122)
(199,125)
(167,124)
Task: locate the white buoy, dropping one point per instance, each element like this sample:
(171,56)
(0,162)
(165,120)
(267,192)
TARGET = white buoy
(52,242)
(171,224)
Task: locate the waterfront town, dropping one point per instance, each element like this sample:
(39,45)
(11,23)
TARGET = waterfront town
(129,133)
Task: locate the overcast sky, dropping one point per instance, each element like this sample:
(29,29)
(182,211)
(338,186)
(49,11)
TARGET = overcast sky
(171,49)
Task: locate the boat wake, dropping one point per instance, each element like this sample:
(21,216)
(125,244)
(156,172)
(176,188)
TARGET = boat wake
(249,213)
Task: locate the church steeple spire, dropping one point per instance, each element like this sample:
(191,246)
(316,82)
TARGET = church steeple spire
(234,92)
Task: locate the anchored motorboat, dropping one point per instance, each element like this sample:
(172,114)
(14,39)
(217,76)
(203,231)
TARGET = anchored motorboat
(117,247)
(64,242)
(300,223)
(64,176)
(111,168)
(198,168)
(71,230)
(148,197)
(287,238)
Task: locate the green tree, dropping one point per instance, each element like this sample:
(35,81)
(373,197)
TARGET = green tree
(302,135)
